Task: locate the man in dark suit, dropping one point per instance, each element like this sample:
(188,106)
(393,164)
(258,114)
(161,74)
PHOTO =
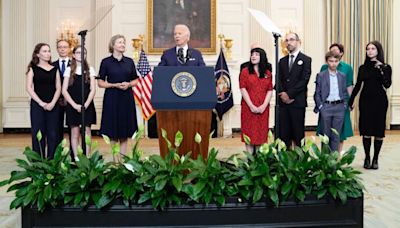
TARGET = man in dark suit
(63,49)
(180,55)
(294,74)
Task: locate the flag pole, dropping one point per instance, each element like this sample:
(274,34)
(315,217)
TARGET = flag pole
(277,86)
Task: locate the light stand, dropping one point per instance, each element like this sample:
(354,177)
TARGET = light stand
(277,86)
(83,126)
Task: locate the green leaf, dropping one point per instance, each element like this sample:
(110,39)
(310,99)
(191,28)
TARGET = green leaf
(106,139)
(245,182)
(103,201)
(16,203)
(177,182)
(18,175)
(333,191)
(47,193)
(197,138)
(78,198)
(88,139)
(160,185)
(39,136)
(246,139)
(273,195)
(144,197)
(286,188)
(300,195)
(178,139)
(319,178)
(115,149)
(342,196)
(321,193)
(198,187)
(258,192)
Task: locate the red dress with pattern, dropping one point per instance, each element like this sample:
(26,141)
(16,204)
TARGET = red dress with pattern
(255,126)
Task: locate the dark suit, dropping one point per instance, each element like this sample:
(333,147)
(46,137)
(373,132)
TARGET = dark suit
(62,107)
(331,113)
(294,83)
(169,58)
(193,58)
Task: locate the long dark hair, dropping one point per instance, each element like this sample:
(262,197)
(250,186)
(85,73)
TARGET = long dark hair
(263,65)
(379,48)
(74,65)
(35,59)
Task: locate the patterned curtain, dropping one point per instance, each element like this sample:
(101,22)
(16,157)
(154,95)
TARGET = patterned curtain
(356,22)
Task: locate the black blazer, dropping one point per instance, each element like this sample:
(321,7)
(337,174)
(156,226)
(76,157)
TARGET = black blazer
(57,65)
(294,83)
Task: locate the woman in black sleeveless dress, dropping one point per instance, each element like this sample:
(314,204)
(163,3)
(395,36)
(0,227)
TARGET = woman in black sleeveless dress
(72,93)
(43,85)
(375,76)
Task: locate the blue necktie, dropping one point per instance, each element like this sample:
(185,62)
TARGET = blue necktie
(62,67)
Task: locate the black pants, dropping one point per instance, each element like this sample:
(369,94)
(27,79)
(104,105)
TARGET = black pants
(48,123)
(292,125)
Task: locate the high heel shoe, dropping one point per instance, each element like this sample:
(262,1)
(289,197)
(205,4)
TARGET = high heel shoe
(367,163)
(374,164)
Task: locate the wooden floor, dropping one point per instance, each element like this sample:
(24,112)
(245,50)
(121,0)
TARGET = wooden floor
(382,186)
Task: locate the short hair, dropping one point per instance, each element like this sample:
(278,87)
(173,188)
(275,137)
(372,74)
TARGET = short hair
(338,45)
(331,54)
(295,34)
(59,41)
(112,42)
(185,27)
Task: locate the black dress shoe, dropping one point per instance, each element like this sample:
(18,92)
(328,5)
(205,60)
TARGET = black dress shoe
(367,163)
(374,164)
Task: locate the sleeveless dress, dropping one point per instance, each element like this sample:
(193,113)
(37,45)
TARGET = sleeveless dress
(74,118)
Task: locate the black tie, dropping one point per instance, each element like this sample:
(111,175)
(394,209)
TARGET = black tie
(62,67)
(181,58)
(291,62)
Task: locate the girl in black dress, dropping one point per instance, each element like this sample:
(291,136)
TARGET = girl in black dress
(43,85)
(72,93)
(375,76)
(118,75)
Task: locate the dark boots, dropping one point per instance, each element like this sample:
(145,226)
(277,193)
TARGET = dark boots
(367,145)
(377,149)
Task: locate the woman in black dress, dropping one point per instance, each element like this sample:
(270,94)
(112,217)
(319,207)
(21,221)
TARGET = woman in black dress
(72,93)
(118,75)
(43,85)
(375,76)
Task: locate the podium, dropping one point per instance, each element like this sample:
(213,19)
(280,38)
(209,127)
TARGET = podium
(184,98)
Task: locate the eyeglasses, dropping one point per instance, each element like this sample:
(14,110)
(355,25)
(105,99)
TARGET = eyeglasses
(62,47)
(78,52)
(291,40)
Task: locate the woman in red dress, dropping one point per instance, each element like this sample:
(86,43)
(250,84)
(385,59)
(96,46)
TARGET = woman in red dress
(256,87)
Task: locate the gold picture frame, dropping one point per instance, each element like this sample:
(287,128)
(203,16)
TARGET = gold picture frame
(198,15)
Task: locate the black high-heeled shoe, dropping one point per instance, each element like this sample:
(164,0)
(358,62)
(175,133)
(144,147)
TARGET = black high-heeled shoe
(374,164)
(367,163)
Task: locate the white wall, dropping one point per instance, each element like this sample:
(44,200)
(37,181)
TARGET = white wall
(27,22)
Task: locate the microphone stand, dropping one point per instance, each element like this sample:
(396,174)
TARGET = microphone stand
(277,86)
(83,128)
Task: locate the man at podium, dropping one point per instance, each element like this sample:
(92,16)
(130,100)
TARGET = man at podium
(180,55)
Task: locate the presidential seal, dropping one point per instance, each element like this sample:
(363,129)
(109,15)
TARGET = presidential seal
(183,84)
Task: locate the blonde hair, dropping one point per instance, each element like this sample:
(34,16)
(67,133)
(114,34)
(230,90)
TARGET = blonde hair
(112,42)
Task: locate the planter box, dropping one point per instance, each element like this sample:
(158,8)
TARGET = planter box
(311,212)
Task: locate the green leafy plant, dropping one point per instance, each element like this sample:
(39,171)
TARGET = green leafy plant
(275,173)
(39,182)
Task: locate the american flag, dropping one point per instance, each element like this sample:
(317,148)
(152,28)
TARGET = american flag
(142,91)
